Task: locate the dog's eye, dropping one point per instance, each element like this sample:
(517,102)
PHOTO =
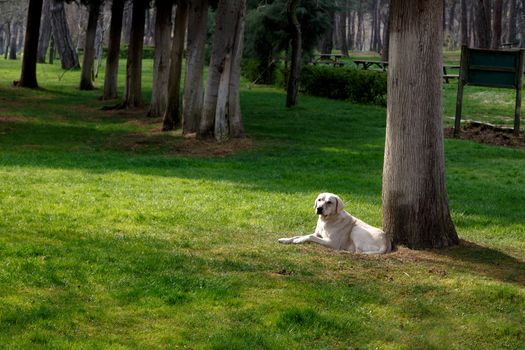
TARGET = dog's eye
(329,202)
(319,200)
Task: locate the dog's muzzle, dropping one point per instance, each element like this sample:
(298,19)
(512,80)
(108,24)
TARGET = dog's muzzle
(319,211)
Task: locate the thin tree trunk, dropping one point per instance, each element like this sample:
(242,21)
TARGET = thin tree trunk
(496,24)
(86,82)
(327,43)
(415,203)
(45,33)
(28,75)
(464,23)
(386,33)
(172,116)
(513,11)
(2,39)
(343,17)
(234,116)
(52,51)
(115,32)
(133,90)
(99,40)
(13,48)
(223,29)
(159,94)
(295,69)
(483,11)
(195,52)
(360,32)
(62,35)
(7,39)
(127,21)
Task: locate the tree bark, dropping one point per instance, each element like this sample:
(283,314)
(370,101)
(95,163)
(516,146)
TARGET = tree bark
(86,78)
(343,17)
(172,116)
(513,11)
(327,43)
(13,47)
(133,89)
(126,28)
(28,75)
(195,52)
(483,11)
(496,24)
(115,33)
(386,33)
(62,35)
(295,68)
(159,94)
(45,33)
(234,116)
(2,39)
(464,23)
(415,202)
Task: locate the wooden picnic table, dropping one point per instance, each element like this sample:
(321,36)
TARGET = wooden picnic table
(331,59)
(383,65)
(366,64)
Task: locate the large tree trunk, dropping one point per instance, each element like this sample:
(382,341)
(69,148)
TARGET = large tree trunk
(415,203)
(133,90)
(172,116)
(115,32)
(159,94)
(295,68)
(233,114)
(13,46)
(195,52)
(496,24)
(45,33)
(28,75)
(222,73)
(86,78)
(62,35)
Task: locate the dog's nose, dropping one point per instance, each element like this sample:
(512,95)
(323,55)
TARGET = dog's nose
(319,210)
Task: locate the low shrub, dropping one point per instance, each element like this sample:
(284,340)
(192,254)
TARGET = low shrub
(344,83)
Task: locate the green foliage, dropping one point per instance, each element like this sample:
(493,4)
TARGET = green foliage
(267,34)
(343,83)
(148,52)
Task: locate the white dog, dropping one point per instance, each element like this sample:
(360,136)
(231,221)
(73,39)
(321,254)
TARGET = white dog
(339,230)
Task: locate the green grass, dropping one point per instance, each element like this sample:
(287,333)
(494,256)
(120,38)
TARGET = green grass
(111,238)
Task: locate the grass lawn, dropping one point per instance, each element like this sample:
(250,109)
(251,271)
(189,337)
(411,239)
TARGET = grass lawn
(113,235)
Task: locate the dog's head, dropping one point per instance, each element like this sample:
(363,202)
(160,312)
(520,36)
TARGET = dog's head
(327,204)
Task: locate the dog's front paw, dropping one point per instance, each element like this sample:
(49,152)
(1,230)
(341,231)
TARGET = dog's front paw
(301,239)
(286,240)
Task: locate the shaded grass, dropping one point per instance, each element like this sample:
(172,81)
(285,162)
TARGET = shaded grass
(104,245)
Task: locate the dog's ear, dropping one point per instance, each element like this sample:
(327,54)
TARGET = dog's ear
(339,205)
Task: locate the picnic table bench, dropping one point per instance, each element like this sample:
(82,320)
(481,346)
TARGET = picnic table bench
(447,75)
(331,59)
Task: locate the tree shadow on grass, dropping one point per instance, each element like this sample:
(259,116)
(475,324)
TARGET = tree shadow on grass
(471,257)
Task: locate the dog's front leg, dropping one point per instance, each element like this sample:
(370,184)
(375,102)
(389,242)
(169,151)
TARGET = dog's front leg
(302,239)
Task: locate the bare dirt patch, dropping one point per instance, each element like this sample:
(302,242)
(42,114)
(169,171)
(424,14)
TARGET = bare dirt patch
(175,143)
(13,119)
(488,134)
